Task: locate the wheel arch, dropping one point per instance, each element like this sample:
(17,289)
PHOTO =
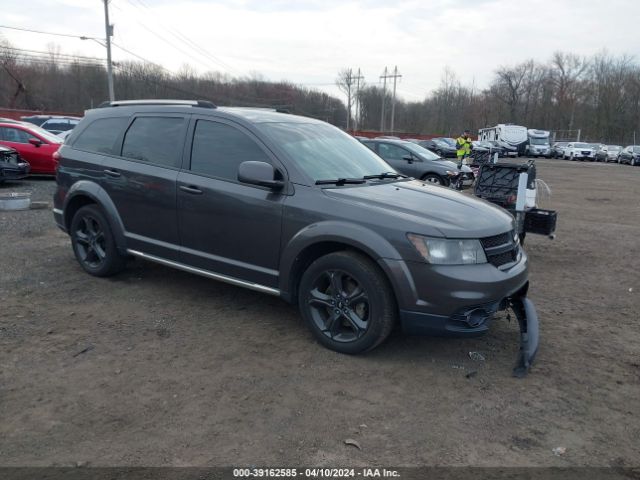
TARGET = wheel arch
(86,192)
(317,240)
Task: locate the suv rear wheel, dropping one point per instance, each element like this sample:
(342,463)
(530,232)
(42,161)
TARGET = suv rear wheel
(347,302)
(93,242)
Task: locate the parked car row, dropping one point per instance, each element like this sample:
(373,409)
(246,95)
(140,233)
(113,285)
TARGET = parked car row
(55,124)
(33,145)
(596,152)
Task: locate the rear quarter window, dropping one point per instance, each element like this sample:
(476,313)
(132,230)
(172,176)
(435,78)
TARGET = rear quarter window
(101,136)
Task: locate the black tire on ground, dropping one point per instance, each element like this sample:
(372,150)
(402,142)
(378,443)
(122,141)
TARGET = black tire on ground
(93,243)
(433,178)
(347,302)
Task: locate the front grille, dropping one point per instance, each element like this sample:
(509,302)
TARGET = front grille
(500,249)
(496,240)
(503,258)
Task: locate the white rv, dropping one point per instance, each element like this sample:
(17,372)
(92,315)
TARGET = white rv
(538,145)
(513,138)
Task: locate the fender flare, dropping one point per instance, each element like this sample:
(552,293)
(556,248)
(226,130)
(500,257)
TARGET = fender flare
(334,231)
(95,192)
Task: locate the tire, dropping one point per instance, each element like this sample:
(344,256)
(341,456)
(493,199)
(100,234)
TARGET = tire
(93,243)
(357,319)
(433,178)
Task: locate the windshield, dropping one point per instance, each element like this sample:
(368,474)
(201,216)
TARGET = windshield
(636,149)
(448,141)
(539,141)
(48,136)
(419,150)
(324,152)
(581,145)
(614,148)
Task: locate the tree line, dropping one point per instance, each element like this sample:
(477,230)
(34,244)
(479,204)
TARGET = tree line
(600,95)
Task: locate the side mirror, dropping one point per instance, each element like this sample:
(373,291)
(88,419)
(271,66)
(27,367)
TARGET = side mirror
(408,158)
(35,142)
(259,173)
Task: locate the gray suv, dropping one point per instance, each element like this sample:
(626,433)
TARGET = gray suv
(292,207)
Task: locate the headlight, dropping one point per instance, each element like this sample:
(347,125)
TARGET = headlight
(442,251)
(451,174)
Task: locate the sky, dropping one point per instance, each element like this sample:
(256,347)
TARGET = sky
(310,41)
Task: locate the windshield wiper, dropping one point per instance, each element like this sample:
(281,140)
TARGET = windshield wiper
(385,175)
(340,181)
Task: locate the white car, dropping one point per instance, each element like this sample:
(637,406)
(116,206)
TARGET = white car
(579,151)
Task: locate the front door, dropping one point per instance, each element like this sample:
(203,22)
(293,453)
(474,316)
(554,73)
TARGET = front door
(225,226)
(398,158)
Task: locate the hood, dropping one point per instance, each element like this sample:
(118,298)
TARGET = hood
(426,207)
(5,149)
(448,164)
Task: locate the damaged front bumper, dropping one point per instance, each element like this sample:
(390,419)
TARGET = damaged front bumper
(475,321)
(527,317)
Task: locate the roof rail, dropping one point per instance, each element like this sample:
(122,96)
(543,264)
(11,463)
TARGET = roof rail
(127,103)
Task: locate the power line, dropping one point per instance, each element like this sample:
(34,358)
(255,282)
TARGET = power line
(81,37)
(186,40)
(165,40)
(53,54)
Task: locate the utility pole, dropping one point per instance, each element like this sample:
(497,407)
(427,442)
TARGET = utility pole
(349,83)
(356,119)
(109,31)
(395,76)
(384,77)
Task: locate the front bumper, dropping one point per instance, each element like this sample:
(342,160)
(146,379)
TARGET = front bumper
(474,321)
(14,171)
(462,300)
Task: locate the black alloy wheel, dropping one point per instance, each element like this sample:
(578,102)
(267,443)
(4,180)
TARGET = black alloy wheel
(347,302)
(93,242)
(339,306)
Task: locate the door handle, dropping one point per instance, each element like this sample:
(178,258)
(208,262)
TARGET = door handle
(191,189)
(112,173)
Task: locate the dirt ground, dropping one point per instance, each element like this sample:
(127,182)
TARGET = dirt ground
(160,367)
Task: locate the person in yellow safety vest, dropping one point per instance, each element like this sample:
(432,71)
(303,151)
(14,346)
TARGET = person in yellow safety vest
(463,146)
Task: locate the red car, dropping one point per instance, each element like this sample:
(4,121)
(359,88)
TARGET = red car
(34,144)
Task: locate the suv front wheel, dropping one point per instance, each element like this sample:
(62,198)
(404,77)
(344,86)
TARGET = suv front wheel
(93,242)
(347,302)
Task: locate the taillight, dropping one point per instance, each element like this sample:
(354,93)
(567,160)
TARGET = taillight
(56,160)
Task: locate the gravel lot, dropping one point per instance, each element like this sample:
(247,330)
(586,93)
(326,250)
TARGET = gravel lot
(159,367)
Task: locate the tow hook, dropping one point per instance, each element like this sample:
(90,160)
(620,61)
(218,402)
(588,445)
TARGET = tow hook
(529,333)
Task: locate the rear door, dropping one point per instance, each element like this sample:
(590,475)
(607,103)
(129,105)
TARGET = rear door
(141,182)
(225,226)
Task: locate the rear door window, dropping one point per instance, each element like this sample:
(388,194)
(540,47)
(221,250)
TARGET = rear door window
(101,136)
(156,140)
